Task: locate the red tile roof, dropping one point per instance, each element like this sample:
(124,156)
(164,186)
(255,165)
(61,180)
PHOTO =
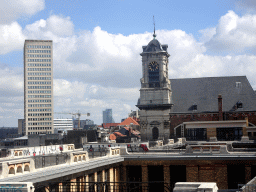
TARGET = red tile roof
(108,125)
(128,121)
(112,137)
(119,134)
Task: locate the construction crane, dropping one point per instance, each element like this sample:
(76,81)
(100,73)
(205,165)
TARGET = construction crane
(78,114)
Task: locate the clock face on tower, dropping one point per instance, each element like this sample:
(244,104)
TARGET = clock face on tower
(153,66)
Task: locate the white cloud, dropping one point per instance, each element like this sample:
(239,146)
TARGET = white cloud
(233,33)
(54,27)
(207,34)
(12,10)
(95,70)
(11,37)
(249,5)
(11,83)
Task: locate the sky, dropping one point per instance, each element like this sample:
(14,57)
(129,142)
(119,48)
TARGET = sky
(97,46)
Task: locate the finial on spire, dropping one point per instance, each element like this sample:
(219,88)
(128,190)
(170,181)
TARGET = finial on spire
(154,35)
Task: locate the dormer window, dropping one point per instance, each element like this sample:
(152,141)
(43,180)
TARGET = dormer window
(238,85)
(194,107)
(239,104)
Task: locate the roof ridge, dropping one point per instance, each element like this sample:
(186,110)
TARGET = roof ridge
(211,77)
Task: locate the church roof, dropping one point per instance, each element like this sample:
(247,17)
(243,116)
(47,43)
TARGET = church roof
(203,93)
(155,46)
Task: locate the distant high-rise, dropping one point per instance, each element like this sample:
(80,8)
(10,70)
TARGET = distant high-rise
(107,116)
(38,87)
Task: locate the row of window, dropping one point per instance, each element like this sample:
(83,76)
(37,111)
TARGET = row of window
(39,119)
(40,123)
(39,78)
(39,74)
(39,60)
(39,128)
(39,114)
(30,55)
(39,82)
(39,105)
(40,101)
(39,51)
(39,87)
(36,133)
(39,47)
(39,92)
(39,96)
(37,110)
(39,65)
(39,69)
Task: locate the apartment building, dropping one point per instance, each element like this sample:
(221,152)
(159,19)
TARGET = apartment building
(38,87)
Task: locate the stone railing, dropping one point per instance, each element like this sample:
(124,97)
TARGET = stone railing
(206,149)
(14,166)
(39,150)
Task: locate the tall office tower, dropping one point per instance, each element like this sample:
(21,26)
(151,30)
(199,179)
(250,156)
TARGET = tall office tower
(38,87)
(107,116)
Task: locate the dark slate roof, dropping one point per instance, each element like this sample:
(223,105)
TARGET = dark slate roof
(155,46)
(204,92)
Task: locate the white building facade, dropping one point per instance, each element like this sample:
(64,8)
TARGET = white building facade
(63,125)
(38,87)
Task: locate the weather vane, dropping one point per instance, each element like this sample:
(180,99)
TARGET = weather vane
(154,35)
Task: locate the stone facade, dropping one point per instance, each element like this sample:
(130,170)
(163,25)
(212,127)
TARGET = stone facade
(155,93)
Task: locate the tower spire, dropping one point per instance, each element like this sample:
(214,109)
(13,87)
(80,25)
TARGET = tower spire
(154,35)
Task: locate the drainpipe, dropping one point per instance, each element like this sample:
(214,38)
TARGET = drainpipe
(220,108)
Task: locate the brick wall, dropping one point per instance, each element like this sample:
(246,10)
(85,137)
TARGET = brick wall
(196,170)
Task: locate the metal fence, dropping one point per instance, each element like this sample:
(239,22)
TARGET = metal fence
(50,160)
(105,187)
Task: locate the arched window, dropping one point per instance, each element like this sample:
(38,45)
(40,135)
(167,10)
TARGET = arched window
(155,133)
(19,169)
(11,170)
(26,168)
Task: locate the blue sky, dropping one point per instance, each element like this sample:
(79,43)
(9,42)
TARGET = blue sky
(97,45)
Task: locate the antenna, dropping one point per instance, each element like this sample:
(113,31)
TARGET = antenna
(154,35)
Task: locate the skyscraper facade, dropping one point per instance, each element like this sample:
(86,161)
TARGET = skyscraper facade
(38,87)
(107,116)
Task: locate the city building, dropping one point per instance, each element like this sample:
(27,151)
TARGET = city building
(168,105)
(221,107)
(62,125)
(84,124)
(107,116)
(8,132)
(21,126)
(38,87)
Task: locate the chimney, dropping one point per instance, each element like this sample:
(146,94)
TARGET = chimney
(220,107)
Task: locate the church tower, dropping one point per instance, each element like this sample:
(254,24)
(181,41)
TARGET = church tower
(155,94)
